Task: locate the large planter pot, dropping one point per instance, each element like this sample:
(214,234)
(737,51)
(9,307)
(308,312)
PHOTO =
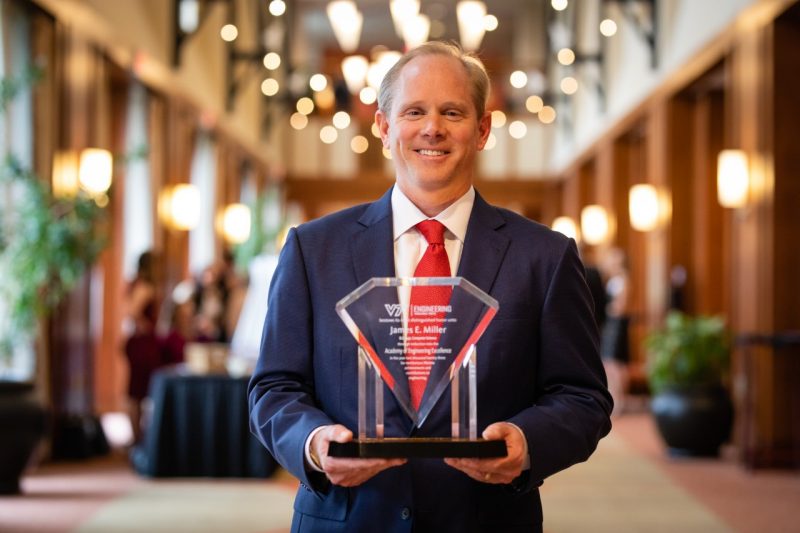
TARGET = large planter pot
(694,421)
(22,426)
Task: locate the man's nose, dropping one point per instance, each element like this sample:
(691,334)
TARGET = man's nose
(434,125)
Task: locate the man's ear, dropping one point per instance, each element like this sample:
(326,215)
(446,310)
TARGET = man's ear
(383,127)
(484,128)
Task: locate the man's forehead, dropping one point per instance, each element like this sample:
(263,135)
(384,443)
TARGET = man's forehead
(422,65)
(419,76)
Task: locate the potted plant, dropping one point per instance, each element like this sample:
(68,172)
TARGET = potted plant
(688,362)
(46,244)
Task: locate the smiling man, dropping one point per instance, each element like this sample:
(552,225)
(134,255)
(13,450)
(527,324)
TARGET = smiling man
(540,380)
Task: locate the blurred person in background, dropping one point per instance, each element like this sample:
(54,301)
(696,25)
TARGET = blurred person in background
(614,343)
(181,324)
(142,348)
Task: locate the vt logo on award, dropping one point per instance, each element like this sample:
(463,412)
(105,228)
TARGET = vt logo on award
(419,344)
(393,310)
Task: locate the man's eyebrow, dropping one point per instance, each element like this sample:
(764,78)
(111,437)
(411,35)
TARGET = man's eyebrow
(416,103)
(456,105)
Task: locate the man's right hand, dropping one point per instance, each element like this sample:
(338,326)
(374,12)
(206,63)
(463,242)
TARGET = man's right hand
(342,471)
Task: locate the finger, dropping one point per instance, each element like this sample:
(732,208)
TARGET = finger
(339,433)
(496,431)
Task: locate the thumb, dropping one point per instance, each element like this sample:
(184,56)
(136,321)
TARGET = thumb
(496,431)
(339,433)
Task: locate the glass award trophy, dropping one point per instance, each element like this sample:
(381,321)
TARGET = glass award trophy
(419,348)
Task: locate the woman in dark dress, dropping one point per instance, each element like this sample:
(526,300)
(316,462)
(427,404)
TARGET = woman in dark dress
(142,348)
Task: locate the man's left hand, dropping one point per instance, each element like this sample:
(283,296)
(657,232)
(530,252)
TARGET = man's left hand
(499,470)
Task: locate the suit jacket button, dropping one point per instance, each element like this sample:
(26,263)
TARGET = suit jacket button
(405,514)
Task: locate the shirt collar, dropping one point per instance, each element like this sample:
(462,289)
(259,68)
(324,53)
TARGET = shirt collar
(406,215)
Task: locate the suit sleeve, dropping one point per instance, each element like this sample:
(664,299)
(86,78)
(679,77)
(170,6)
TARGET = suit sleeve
(573,405)
(281,391)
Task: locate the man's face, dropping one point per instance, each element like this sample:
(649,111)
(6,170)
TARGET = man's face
(433,130)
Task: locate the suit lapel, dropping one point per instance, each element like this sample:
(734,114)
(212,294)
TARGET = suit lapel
(484,248)
(373,248)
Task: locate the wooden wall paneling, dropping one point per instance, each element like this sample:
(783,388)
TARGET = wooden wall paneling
(657,242)
(157,162)
(571,197)
(110,371)
(46,110)
(544,203)
(603,185)
(787,170)
(180,140)
(226,182)
(786,265)
(630,158)
(764,263)
(622,168)
(72,346)
(752,288)
(371,161)
(586,188)
(678,158)
(711,236)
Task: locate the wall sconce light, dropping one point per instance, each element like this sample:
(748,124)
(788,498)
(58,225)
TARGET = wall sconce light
(595,224)
(179,207)
(644,207)
(90,170)
(234,223)
(346,21)
(733,178)
(65,174)
(566,226)
(95,170)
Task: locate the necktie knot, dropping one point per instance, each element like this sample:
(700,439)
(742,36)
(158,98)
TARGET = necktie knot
(432,230)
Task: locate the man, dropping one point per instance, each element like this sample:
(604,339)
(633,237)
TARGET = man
(540,382)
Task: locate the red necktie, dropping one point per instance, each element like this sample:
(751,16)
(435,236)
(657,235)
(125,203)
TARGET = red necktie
(426,313)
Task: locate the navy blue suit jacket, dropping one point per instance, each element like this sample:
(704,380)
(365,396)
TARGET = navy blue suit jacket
(538,367)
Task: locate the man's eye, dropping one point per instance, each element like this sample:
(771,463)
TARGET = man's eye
(453,114)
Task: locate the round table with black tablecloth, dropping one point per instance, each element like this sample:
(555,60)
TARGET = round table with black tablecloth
(200,427)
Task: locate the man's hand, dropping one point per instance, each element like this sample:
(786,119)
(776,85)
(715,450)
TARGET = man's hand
(500,470)
(342,471)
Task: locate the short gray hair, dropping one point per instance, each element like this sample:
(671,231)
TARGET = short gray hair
(476,71)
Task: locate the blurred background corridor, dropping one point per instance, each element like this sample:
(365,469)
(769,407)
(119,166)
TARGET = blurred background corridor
(156,152)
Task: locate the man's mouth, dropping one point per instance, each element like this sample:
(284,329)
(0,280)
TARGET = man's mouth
(431,152)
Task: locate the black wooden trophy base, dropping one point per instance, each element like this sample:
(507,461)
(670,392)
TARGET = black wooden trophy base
(418,448)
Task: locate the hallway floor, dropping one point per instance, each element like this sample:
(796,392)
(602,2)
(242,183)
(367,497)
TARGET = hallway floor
(629,485)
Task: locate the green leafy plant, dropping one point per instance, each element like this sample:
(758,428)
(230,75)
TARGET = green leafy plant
(46,244)
(688,351)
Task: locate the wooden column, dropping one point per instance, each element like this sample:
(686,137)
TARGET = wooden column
(711,234)
(764,82)
(109,366)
